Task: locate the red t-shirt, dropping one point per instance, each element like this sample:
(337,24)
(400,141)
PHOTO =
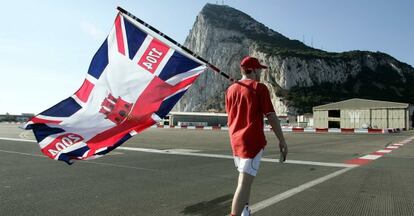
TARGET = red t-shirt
(247,101)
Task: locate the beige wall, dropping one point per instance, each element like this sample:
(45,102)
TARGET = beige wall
(379,118)
(410,119)
(320,119)
(355,118)
(396,118)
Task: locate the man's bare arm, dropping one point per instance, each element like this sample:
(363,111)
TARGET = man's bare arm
(274,122)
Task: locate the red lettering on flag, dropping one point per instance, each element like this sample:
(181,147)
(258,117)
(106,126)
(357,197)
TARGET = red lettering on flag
(154,54)
(60,143)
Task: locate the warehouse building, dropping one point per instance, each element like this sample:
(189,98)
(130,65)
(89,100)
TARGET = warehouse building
(16,118)
(195,119)
(362,113)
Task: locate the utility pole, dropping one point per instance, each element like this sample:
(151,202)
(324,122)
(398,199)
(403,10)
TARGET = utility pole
(312,42)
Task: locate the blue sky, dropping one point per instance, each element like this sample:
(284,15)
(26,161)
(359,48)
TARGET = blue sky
(46,46)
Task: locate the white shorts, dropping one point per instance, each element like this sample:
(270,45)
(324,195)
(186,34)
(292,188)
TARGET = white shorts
(248,165)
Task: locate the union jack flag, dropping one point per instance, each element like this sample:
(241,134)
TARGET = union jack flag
(133,81)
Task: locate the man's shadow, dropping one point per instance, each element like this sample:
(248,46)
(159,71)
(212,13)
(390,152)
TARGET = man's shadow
(217,206)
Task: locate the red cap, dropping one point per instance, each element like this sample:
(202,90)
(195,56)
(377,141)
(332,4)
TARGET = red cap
(251,63)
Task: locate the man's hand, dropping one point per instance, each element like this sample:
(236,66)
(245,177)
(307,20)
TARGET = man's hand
(283,151)
(274,122)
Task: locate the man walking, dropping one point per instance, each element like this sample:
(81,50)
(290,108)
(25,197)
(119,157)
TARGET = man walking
(247,102)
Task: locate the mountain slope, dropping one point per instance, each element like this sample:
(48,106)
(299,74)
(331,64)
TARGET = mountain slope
(300,76)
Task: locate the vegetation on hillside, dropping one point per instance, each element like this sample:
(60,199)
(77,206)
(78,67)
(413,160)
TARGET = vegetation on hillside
(382,84)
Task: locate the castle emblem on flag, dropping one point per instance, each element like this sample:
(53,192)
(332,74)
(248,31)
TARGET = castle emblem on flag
(115,109)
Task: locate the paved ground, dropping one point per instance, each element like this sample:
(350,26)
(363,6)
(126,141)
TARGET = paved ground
(188,172)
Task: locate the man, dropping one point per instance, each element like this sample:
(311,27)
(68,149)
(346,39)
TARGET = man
(247,102)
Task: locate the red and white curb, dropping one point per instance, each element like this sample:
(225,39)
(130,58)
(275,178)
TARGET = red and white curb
(354,130)
(293,129)
(340,130)
(191,127)
(378,154)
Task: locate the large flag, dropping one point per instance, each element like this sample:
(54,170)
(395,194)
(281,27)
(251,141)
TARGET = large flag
(133,81)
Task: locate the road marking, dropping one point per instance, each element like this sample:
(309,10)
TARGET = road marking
(277,198)
(21,153)
(398,144)
(83,161)
(310,163)
(358,161)
(255,207)
(384,151)
(189,153)
(377,154)
(183,150)
(24,135)
(365,159)
(14,139)
(192,152)
(173,152)
(121,166)
(371,157)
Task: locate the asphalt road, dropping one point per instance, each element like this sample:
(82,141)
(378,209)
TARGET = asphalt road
(190,172)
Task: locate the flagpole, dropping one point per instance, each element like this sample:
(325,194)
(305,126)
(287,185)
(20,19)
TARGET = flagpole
(214,68)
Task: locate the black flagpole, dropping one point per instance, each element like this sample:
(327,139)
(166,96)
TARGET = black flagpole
(214,68)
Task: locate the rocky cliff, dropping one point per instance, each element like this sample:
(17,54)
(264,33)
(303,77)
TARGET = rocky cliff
(299,77)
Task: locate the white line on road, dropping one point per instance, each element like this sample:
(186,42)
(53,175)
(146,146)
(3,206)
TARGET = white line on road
(104,164)
(22,153)
(173,152)
(397,144)
(384,151)
(371,157)
(311,163)
(190,152)
(275,199)
(14,139)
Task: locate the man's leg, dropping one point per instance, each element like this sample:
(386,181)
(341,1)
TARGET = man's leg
(242,194)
